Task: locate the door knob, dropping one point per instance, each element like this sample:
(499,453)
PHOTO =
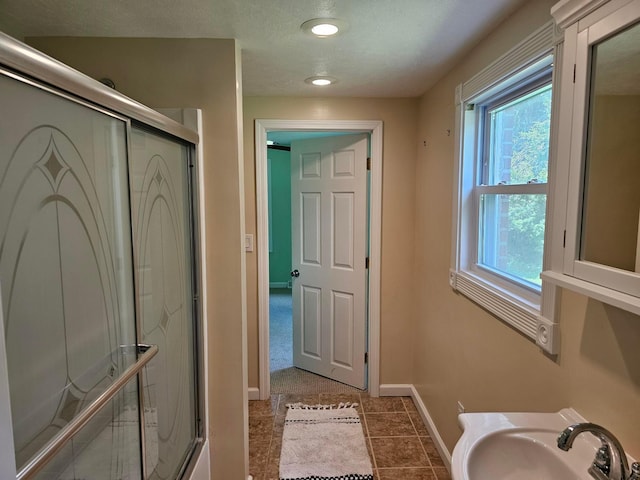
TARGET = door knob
(295,273)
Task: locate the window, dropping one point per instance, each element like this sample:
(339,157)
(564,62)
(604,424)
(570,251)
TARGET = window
(511,178)
(504,129)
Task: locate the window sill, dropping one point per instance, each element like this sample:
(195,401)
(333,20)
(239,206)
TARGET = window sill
(511,309)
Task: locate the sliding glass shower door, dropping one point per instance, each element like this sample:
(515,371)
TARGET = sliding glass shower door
(65,258)
(160,214)
(96,259)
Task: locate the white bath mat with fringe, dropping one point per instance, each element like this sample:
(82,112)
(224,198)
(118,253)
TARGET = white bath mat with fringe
(324,442)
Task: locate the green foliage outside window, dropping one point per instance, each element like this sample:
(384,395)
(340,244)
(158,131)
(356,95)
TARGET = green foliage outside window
(519,153)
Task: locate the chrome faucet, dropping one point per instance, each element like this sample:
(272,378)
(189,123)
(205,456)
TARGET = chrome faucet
(610,462)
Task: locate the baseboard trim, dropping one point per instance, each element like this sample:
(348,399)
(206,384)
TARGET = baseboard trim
(253,393)
(409,390)
(395,390)
(279,285)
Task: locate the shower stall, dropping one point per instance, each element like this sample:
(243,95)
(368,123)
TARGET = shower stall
(99,349)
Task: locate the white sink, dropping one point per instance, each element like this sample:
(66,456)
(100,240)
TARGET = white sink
(521,446)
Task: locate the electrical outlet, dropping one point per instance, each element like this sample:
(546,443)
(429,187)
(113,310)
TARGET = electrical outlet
(460,407)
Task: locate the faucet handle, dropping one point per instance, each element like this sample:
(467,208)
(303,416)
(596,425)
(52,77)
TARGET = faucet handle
(635,471)
(601,466)
(603,459)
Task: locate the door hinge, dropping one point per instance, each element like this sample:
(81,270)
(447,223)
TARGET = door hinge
(366,357)
(574,73)
(368,163)
(366,263)
(564,239)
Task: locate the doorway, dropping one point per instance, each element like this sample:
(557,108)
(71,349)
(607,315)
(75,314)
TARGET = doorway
(318,199)
(374,129)
(280,282)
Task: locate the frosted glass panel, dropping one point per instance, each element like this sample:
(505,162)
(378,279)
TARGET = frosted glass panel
(160,213)
(107,448)
(65,250)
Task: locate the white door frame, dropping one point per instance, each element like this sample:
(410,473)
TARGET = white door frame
(374,127)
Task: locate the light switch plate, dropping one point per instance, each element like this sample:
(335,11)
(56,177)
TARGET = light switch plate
(248,242)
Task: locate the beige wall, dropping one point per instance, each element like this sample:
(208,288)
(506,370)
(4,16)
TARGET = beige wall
(462,352)
(202,74)
(398,188)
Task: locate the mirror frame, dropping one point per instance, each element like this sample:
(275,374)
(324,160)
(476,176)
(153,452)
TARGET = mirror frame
(611,277)
(586,23)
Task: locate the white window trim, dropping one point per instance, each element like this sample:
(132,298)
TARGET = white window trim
(518,307)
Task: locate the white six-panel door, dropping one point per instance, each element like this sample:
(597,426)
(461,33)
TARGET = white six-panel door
(329,225)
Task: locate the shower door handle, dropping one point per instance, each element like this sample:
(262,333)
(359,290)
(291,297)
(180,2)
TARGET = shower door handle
(295,273)
(144,354)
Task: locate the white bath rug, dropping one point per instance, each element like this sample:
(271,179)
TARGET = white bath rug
(324,442)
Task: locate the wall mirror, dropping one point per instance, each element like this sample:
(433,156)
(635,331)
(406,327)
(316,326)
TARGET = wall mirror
(594,240)
(611,197)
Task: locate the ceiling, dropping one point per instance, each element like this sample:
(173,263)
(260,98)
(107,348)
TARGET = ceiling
(390,48)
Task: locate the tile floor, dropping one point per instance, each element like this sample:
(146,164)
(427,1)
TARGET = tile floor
(398,441)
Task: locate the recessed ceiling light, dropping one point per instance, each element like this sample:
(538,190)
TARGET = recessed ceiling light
(321,80)
(324,27)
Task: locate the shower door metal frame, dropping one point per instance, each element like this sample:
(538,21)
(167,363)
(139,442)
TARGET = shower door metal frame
(32,67)
(7,450)
(192,216)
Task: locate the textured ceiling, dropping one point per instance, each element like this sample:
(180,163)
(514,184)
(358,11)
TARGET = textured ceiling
(390,49)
